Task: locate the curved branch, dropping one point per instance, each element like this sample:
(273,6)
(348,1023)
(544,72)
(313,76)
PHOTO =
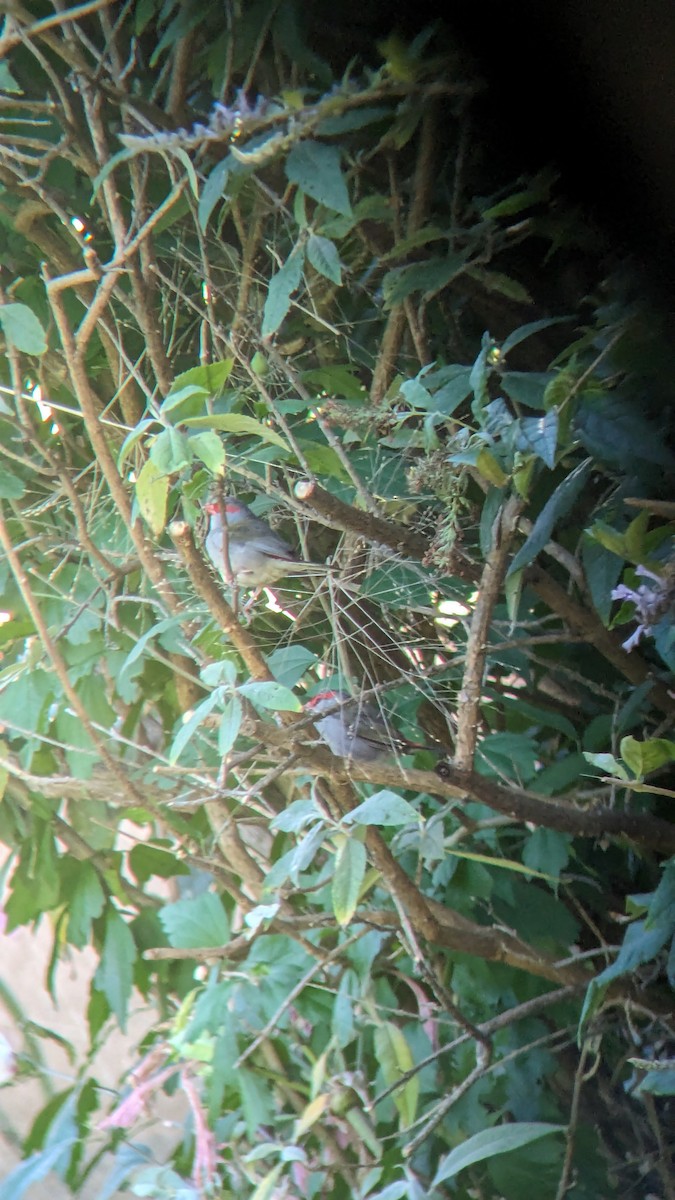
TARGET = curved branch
(469,697)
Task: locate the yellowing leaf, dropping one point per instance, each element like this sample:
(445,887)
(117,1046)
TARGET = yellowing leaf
(395,1058)
(314,1110)
(152,490)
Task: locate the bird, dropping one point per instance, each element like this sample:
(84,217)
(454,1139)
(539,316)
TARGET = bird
(355,729)
(253,555)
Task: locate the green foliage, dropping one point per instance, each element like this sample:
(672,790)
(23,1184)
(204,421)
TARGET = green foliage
(366,976)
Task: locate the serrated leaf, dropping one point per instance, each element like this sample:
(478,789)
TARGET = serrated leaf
(177,399)
(383,808)
(170,452)
(209,449)
(22,328)
(279,291)
(316,169)
(212,377)
(288,664)
(152,492)
(235,423)
(85,903)
(556,507)
(324,257)
(350,869)
(489,1142)
(115,971)
(198,921)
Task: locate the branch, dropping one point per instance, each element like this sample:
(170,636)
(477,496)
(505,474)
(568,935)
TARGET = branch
(468,699)
(647,831)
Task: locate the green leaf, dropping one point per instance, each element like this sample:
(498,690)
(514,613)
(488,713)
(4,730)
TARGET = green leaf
(235,423)
(540,435)
(121,156)
(294,818)
(607,763)
(644,757)
(525,331)
(170,452)
(428,277)
(179,153)
(602,569)
(212,191)
(383,808)
(84,906)
(230,724)
(350,869)
(271,695)
(177,404)
(657,1083)
(22,328)
(17,1182)
(115,971)
(489,468)
(152,492)
(11,487)
(490,1142)
(555,508)
(209,448)
(495,281)
(355,119)
(7,81)
(279,291)
(288,664)
(199,921)
(513,590)
(661,913)
(395,1058)
(526,387)
(211,377)
(188,730)
(133,437)
(316,169)
(547,851)
(324,257)
(146,861)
